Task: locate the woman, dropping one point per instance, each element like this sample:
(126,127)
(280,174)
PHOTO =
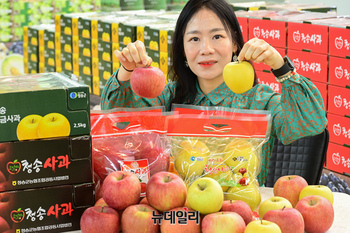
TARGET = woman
(207,36)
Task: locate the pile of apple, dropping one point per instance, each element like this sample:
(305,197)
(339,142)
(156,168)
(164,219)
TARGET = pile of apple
(295,207)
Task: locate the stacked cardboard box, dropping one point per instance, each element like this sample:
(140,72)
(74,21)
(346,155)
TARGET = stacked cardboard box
(46,177)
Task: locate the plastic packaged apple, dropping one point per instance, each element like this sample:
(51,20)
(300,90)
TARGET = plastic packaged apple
(129,140)
(239,76)
(221,144)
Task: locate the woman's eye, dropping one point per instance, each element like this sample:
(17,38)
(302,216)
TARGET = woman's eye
(217,37)
(194,39)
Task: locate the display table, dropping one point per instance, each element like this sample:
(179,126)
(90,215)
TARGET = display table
(341,210)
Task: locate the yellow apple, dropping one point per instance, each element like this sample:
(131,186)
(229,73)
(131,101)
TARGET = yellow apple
(239,76)
(262,226)
(53,125)
(320,190)
(195,143)
(273,203)
(219,171)
(191,160)
(240,153)
(248,193)
(27,127)
(205,195)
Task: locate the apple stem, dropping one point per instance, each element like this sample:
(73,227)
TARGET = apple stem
(283,208)
(261,221)
(201,188)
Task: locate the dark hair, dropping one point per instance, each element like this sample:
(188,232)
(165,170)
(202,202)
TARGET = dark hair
(186,80)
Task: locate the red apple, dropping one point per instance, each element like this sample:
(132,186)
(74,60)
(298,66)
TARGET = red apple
(144,201)
(121,189)
(100,202)
(4,226)
(3,182)
(5,153)
(147,82)
(7,202)
(288,219)
(223,222)
(317,212)
(289,187)
(239,207)
(158,159)
(166,191)
(97,219)
(182,224)
(138,218)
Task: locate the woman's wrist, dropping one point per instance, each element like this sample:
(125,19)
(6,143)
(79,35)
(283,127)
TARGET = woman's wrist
(123,74)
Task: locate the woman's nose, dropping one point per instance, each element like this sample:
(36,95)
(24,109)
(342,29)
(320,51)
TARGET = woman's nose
(206,47)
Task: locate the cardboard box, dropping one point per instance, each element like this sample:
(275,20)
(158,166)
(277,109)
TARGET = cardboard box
(339,100)
(338,158)
(308,37)
(50,209)
(46,162)
(269,79)
(311,65)
(339,71)
(243,23)
(40,95)
(339,129)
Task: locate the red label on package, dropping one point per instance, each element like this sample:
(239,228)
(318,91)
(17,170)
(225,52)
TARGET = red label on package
(273,32)
(140,168)
(339,100)
(338,158)
(311,65)
(243,23)
(339,42)
(270,80)
(339,71)
(310,37)
(339,129)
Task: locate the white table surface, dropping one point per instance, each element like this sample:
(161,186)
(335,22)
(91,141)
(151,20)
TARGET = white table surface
(341,206)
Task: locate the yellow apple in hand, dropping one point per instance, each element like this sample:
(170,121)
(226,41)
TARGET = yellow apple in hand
(239,76)
(273,203)
(27,127)
(240,153)
(262,226)
(219,171)
(53,125)
(205,195)
(320,190)
(191,160)
(248,193)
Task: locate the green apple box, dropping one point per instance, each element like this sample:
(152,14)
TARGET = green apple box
(43,105)
(45,162)
(50,209)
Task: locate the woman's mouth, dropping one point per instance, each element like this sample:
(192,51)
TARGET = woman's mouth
(207,64)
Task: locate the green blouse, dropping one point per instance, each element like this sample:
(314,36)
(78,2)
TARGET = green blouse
(297,112)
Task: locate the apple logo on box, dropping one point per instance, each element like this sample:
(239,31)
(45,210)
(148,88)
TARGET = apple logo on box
(337,129)
(336,158)
(338,42)
(338,101)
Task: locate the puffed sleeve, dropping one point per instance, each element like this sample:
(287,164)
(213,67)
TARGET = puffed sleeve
(119,94)
(299,111)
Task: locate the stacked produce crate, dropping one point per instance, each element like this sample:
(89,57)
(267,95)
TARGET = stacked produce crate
(46,176)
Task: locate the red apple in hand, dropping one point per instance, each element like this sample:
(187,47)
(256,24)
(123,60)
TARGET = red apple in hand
(138,219)
(239,207)
(289,220)
(166,191)
(121,189)
(317,212)
(289,187)
(97,219)
(147,82)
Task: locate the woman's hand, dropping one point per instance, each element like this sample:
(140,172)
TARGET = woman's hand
(132,56)
(258,50)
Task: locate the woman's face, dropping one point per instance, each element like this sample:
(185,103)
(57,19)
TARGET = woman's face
(208,47)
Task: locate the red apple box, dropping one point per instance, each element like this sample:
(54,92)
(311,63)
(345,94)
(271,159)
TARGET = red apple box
(272,31)
(339,71)
(339,129)
(339,41)
(323,88)
(263,67)
(311,65)
(338,158)
(269,79)
(339,100)
(309,37)
(243,22)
